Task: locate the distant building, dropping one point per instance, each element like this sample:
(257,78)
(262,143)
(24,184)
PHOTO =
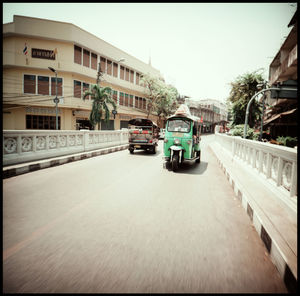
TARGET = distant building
(31,45)
(213,112)
(281,116)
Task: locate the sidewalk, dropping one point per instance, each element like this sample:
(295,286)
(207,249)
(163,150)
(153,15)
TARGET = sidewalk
(275,221)
(18,169)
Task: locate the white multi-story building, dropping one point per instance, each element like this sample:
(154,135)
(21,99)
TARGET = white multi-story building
(32,45)
(213,112)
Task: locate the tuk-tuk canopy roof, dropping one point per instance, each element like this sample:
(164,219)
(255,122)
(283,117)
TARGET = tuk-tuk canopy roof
(142,122)
(184,112)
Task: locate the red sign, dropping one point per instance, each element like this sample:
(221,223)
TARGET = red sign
(201,120)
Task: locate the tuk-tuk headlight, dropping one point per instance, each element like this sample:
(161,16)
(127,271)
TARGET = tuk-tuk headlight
(176,141)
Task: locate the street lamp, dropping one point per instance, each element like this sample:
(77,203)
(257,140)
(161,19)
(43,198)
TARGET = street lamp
(56,100)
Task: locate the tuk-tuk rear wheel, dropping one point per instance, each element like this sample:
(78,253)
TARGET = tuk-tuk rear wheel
(198,154)
(175,162)
(131,150)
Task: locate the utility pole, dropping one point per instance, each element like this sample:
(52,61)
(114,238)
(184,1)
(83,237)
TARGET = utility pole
(56,100)
(99,74)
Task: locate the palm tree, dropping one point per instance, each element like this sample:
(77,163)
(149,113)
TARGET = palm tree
(101,99)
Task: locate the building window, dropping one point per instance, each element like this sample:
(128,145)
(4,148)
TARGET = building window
(137,79)
(131,76)
(29,84)
(121,98)
(115,96)
(103,64)
(86,58)
(59,86)
(140,103)
(122,72)
(115,70)
(41,122)
(127,75)
(136,102)
(110,125)
(144,103)
(85,86)
(126,100)
(131,101)
(77,54)
(43,85)
(94,61)
(109,67)
(77,89)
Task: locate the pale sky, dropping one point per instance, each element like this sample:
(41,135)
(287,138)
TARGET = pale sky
(198,47)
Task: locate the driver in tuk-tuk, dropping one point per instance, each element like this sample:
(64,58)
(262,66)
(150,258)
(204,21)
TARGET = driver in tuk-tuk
(194,134)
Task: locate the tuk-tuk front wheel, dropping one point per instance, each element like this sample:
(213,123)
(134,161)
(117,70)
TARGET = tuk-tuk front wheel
(131,150)
(175,162)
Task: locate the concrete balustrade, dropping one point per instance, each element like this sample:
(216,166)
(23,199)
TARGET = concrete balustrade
(21,146)
(276,164)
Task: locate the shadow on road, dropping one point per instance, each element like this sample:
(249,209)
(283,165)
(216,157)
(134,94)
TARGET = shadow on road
(191,167)
(144,153)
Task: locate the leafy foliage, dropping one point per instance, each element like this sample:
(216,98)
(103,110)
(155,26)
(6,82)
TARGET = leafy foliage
(238,130)
(101,99)
(161,97)
(287,141)
(242,90)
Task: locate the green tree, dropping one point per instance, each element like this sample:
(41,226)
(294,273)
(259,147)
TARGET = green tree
(161,97)
(242,90)
(154,90)
(101,100)
(166,102)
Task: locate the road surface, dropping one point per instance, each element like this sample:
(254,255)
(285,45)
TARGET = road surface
(121,223)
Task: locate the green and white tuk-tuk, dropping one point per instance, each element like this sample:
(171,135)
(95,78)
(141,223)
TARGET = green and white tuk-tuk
(182,138)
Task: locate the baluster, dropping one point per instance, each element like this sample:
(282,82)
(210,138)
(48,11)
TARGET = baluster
(34,143)
(293,189)
(19,144)
(279,171)
(254,158)
(269,163)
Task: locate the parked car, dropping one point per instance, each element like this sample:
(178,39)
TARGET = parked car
(143,134)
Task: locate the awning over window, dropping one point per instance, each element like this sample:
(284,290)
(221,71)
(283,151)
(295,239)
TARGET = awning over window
(279,116)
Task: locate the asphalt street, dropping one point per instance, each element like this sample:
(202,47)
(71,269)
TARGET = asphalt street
(121,223)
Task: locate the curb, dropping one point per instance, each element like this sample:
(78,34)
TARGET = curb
(19,169)
(276,254)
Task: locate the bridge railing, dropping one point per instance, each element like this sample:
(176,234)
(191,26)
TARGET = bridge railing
(21,146)
(277,164)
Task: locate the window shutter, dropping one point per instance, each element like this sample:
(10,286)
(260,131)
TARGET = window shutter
(29,84)
(77,54)
(43,85)
(86,58)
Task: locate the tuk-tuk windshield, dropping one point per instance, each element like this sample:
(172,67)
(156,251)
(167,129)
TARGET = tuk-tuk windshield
(179,125)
